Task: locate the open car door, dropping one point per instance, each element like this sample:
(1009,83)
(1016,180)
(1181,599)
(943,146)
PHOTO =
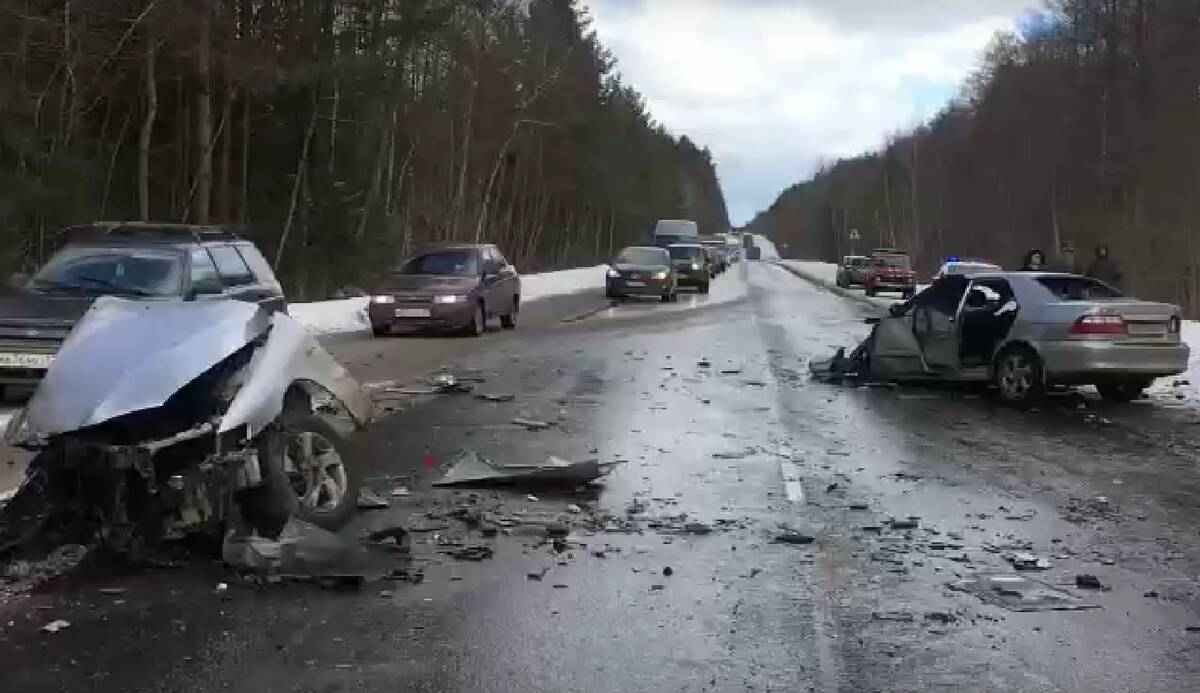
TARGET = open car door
(935,322)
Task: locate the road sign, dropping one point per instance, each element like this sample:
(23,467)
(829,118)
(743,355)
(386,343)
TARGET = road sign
(854,235)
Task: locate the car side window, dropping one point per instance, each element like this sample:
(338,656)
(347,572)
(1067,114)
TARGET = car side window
(943,295)
(233,269)
(995,294)
(204,276)
(259,265)
(500,259)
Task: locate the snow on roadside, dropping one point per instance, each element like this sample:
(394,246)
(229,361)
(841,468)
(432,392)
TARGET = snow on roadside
(769,252)
(350,314)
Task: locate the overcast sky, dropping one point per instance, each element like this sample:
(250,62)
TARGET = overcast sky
(774,87)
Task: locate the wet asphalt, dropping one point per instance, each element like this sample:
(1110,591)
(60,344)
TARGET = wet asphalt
(725,446)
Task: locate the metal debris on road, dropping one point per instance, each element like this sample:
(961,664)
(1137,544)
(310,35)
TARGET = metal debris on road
(472,553)
(369,500)
(942,617)
(1089,582)
(531,498)
(794,538)
(532,424)
(55,626)
(697,528)
(1019,593)
(897,616)
(657,587)
(489,397)
(446,383)
(537,575)
(574,509)
(668,572)
(1028,561)
(470,468)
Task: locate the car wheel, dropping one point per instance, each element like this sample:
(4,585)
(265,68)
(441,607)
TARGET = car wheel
(509,321)
(666,298)
(1019,376)
(380,330)
(704,288)
(1126,390)
(478,323)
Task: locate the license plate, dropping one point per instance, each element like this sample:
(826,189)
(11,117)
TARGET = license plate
(37,361)
(412,312)
(633,283)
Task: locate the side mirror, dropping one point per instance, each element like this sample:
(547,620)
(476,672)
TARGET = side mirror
(18,280)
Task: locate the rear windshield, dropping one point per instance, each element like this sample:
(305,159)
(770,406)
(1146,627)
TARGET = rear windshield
(685,252)
(642,256)
(450,263)
(1078,288)
(891,261)
(113,270)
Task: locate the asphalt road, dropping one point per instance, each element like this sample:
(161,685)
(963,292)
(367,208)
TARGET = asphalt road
(726,446)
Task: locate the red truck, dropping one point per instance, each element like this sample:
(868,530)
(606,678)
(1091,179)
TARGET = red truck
(890,270)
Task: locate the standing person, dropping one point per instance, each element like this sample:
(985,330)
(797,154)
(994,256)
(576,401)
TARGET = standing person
(1105,268)
(1067,262)
(1035,261)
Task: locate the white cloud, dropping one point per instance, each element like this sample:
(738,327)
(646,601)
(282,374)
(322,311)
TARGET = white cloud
(774,87)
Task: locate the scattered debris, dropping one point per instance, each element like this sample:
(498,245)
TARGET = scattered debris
(897,616)
(1028,561)
(55,626)
(857,506)
(395,538)
(731,371)
(1019,593)
(222,586)
(537,576)
(369,500)
(668,572)
(1192,629)
(532,424)
(487,397)
(657,587)
(1085,581)
(832,487)
(113,591)
(560,585)
(557,530)
(472,553)
(472,469)
(574,509)
(697,528)
(942,617)
(704,363)
(794,538)
(531,498)
(446,383)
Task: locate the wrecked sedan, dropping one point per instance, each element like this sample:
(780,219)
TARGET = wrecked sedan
(1023,332)
(159,420)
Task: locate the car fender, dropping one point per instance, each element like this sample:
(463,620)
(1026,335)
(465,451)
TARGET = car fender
(289,359)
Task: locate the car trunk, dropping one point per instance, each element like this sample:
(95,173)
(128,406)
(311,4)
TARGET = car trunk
(1146,322)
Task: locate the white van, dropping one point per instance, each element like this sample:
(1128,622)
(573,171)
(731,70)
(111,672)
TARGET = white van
(668,231)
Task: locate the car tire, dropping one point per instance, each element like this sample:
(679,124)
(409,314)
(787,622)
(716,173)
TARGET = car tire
(268,507)
(1121,391)
(869,291)
(509,321)
(1019,375)
(666,298)
(704,288)
(380,330)
(478,323)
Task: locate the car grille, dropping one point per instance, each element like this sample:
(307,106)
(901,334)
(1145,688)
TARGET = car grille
(414,298)
(32,336)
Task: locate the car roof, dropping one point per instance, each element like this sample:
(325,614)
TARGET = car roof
(115,233)
(451,245)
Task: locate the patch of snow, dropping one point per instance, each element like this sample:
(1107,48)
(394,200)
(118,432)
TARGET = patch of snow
(350,314)
(1184,387)
(535,286)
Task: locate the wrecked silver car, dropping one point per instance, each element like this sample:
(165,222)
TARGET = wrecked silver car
(1023,332)
(164,419)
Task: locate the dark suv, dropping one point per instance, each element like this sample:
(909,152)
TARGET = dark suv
(146,261)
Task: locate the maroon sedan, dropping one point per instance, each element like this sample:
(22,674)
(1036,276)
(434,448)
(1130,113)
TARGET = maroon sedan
(452,287)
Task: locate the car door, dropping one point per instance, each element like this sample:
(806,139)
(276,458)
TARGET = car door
(266,286)
(935,322)
(240,282)
(491,283)
(509,284)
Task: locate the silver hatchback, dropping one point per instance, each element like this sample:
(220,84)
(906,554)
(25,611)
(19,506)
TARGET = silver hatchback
(1027,330)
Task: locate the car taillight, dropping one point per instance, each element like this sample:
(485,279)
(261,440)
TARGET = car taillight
(1099,324)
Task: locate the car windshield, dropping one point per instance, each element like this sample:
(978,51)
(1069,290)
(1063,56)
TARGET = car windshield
(133,271)
(449,263)
(642,256)
(900,261)
(1079,288)
(685,252)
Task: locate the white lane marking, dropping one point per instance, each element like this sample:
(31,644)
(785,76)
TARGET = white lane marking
(791,482)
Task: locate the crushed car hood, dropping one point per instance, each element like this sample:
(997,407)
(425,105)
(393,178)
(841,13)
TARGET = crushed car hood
(126,356)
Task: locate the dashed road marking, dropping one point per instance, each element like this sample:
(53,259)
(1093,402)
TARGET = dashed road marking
(791,482)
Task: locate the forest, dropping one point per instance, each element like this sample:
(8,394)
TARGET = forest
(1081,128)
(339,135)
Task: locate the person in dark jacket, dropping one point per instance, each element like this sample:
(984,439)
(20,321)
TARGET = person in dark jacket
(1105,268)
(1035,261)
